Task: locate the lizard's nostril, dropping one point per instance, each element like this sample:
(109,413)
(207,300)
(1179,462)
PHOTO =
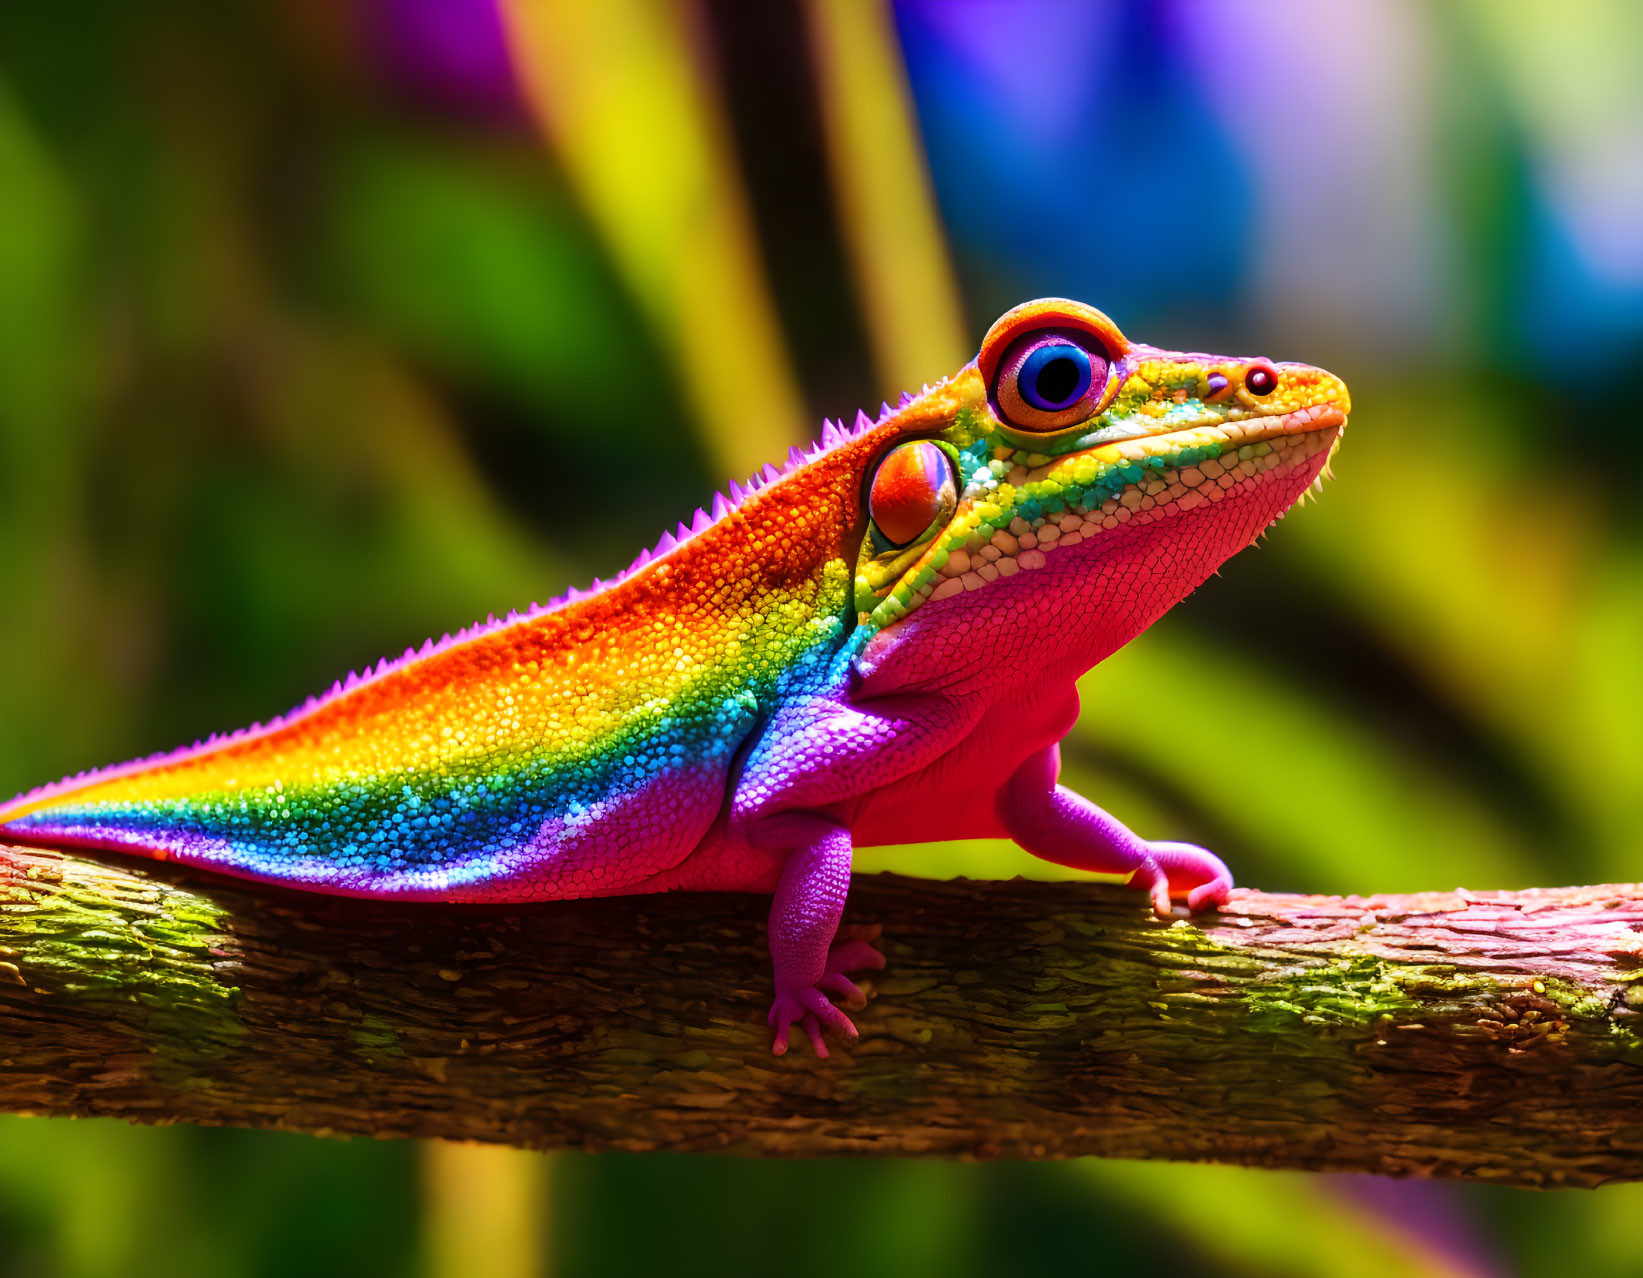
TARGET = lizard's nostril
(1260,378)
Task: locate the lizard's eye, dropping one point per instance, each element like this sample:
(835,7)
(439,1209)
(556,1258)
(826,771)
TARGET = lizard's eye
(1050,379)
(912,488)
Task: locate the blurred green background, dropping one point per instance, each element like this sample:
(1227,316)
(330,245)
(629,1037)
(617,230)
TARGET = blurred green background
(323,325)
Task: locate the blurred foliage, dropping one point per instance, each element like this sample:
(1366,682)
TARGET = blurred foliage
(319,332)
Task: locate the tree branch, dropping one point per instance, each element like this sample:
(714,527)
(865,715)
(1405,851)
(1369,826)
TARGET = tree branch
(1493,1036)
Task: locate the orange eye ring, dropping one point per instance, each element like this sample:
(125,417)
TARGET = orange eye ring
(1011,342)
(912,488)
(1050,379)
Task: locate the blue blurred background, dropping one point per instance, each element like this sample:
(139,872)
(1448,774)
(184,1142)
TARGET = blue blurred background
(328,326)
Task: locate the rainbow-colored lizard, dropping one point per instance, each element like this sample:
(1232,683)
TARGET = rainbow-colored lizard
(876,645)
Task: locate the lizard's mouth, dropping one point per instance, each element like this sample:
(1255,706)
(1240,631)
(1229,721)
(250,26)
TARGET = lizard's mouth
(1093,477)
(1235,431)
(1324,416)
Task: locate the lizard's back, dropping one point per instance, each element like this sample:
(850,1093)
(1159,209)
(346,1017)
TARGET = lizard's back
(576,751)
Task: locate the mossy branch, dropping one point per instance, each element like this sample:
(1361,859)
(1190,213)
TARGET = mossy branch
(1494,1036)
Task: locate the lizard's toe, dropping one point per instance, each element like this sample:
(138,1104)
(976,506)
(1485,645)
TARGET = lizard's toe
(854,956)
(786,1012)
(809,1008)
(841,985)
(1184,870)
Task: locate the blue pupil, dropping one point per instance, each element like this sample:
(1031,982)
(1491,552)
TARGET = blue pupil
(1054,377)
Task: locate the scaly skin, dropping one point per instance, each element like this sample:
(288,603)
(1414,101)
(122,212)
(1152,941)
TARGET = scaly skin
(780,682)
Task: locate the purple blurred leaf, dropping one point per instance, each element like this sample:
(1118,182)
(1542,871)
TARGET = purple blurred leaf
(449,56)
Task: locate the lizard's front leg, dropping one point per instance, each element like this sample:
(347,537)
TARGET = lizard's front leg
(798,791)
(1062,826)
(804,917)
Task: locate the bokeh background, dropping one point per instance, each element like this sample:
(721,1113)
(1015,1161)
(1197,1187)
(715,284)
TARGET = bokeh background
(326,326)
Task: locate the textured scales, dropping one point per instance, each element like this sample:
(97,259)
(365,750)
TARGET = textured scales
(784,679)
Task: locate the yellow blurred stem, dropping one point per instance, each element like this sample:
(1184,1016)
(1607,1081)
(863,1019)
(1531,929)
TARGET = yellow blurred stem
(639,133)
(891,228)
(484,1211)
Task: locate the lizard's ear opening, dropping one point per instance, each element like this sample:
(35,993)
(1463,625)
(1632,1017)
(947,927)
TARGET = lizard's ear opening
(913,490)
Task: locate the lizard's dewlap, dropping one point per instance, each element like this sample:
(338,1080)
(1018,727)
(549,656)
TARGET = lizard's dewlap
(783,677)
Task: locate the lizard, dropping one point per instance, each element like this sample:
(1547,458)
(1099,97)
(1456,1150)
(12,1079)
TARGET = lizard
(876,644)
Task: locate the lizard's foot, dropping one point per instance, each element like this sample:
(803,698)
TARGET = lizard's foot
(1182,869)
(811,1009)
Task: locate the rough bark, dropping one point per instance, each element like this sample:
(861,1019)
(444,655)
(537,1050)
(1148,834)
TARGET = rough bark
(1493,1036)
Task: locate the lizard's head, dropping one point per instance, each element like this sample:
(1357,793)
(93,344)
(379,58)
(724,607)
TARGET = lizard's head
(1069,485)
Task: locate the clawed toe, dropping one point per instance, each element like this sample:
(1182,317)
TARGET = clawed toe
(1206,895)
(854,956)
(838,983)
(786,1012)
